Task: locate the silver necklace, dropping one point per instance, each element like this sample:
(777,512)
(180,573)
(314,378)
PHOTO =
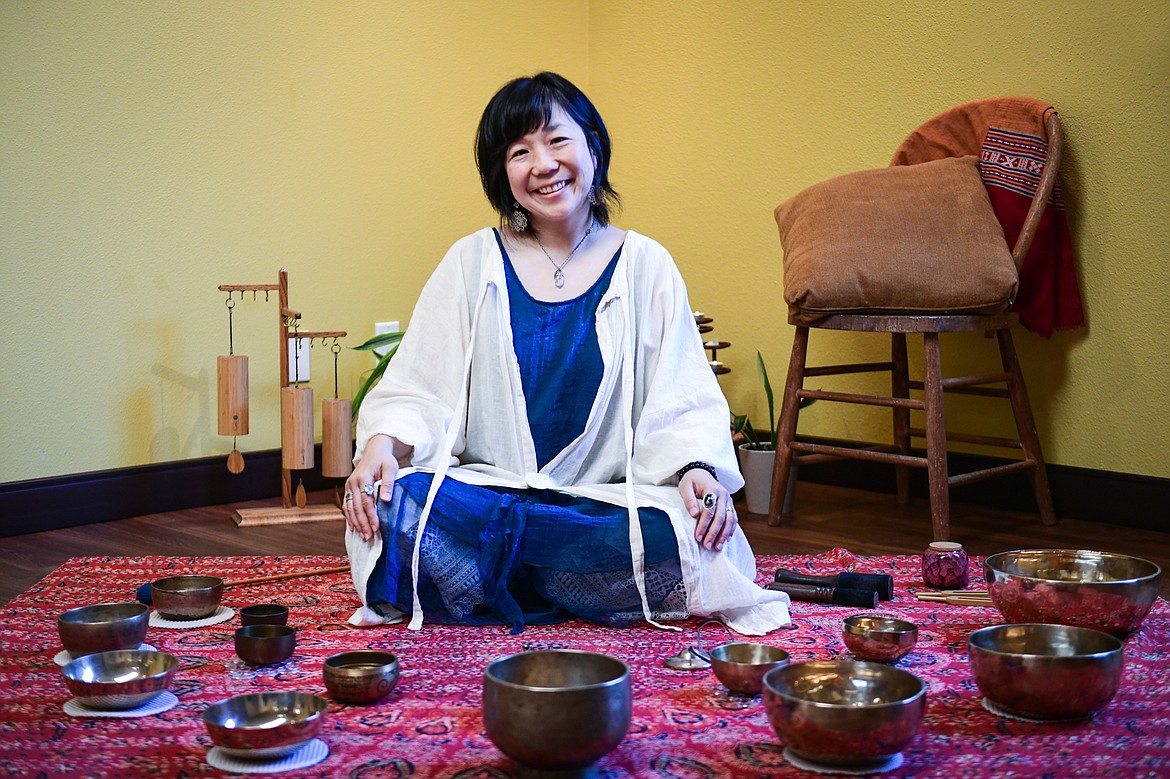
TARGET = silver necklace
(559,274)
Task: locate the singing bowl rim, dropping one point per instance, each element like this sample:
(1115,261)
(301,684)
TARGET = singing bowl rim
(205,582)
(140,609)
(842,666)
(337,663)
(262,610)
(977,641)
(872,625)
(994,563)
(491,675)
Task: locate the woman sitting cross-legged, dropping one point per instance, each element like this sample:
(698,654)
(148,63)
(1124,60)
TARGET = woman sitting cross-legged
(549,441)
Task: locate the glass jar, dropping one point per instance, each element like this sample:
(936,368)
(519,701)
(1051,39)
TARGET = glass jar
(944,566)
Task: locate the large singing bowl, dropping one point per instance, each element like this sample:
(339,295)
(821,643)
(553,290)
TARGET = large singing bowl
(557,710)
(1096,590)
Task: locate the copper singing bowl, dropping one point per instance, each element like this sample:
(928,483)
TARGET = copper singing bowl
(264,725)
(119,680)
(360,677)
(1046,671)
(741,666)
(1096,590)
(884,639)
(844,712)
(103,627)
(186,597)
(557,710)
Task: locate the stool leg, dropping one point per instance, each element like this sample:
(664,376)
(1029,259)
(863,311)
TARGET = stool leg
(900,388)
(936,438)
(1026,425)
(782,470)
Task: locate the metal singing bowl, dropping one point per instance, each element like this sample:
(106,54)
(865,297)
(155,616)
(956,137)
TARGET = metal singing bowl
(1077,587)
(557,710)
(186,597)
(263,725)
(119,680)
(1046,671)
(103,627)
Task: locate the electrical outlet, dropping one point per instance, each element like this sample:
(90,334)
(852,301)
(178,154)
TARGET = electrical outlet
(298,359)
(385,327)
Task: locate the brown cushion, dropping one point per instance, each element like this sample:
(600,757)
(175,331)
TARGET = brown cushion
(916,238)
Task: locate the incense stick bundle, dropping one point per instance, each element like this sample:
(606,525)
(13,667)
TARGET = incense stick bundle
(957,597)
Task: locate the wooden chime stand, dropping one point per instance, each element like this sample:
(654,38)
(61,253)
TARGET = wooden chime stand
(296,422)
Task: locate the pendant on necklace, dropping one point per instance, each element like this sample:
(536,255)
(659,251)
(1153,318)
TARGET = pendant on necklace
(559,278)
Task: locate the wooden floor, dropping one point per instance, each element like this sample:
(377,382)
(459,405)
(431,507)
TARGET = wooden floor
(825,517)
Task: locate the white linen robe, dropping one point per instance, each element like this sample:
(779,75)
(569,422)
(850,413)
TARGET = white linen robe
(453,393)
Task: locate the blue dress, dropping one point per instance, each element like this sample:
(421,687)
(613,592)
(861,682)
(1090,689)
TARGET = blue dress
(514,557)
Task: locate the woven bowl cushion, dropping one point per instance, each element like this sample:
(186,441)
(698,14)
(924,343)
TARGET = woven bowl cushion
(916,239)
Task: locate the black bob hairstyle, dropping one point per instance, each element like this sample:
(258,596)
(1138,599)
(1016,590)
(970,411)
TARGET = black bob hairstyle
(522,106)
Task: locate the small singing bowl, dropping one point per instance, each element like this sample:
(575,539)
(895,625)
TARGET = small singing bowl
(741,666)
(844,712)
(119,680)
(264,725)
(186,597)
(557,710)
(360,677)
(884,639)
(1046,671)
(265,644)
(103,627)
(264,614)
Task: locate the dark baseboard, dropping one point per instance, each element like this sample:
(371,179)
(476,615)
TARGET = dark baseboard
(1121,499)
(102,496)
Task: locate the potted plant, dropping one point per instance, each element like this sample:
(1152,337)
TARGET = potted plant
(757,454)
(387,341)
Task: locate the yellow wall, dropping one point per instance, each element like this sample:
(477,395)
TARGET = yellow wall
(150,152)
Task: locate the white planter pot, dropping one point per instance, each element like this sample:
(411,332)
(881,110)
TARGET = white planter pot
(756,467)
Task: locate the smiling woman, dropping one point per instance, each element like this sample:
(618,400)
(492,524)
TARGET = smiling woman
(549,441)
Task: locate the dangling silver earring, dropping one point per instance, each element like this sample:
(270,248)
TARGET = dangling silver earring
(519,220)
(595,197)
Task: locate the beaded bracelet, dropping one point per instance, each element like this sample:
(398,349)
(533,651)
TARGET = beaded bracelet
(697,464)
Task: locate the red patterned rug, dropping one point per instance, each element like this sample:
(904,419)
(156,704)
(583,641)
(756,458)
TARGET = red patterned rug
(684,723)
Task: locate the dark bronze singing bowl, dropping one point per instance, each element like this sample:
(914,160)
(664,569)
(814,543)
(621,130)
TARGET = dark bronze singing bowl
(103,627)
(557,710)
(360,677)
(186,597)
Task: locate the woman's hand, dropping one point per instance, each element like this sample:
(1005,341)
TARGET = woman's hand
(710,504)
(379,462)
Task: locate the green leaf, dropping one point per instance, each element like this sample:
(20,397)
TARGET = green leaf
(768,392)
(380,340)
(742,425)
(372,378)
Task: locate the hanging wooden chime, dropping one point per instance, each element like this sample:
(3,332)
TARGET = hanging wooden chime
(336,431)
(232,396)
